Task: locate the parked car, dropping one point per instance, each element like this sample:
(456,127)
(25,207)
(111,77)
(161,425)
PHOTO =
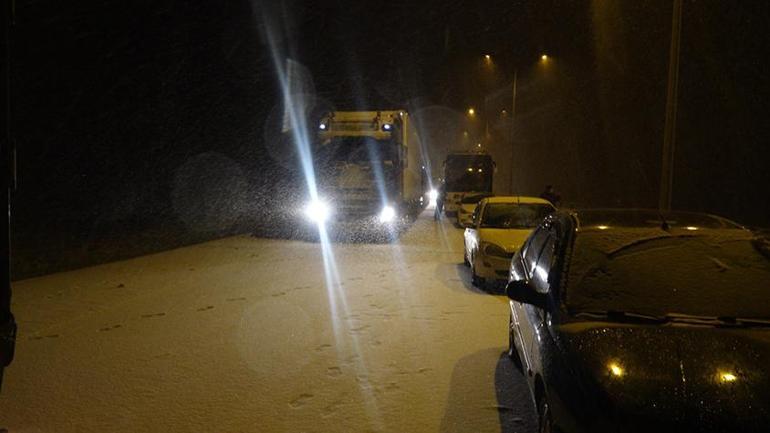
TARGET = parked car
(467,205)
(498,228)
(626,321)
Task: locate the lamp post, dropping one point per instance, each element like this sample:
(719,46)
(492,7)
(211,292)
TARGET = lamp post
(669,131)
(488,62)
(543,59)
(513,118)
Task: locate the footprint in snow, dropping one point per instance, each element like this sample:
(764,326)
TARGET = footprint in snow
(151,315)
(300,401)
(40,337)
(109,328)
(392,386)
(207,307)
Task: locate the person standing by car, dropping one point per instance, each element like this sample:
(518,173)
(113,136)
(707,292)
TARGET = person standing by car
(551,195)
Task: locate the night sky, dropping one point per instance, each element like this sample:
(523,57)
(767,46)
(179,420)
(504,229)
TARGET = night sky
(137,113)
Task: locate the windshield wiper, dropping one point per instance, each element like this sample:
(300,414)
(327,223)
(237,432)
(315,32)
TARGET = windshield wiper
(719,322)
(621,316)
(633,317)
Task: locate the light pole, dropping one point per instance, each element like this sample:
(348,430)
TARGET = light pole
(513,118)
(543,59)
(669,129)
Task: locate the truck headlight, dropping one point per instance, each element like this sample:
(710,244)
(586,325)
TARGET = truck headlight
(317,211)
(387,214)
(491,249)
(433,195)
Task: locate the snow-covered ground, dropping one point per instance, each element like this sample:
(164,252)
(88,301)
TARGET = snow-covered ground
(261,335)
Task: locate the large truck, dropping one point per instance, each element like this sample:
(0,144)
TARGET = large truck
(367,167)
(464,173)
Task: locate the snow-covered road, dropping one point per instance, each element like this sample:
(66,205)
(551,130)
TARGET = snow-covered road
(265,335)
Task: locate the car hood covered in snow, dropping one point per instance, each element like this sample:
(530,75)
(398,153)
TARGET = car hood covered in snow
(510,239)
(712,378)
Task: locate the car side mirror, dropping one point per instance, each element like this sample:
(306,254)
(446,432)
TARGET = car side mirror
(522,291)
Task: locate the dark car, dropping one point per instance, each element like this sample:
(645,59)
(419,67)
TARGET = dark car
(630,320)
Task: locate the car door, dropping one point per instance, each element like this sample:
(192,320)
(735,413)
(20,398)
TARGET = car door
(537,317)
(524,316)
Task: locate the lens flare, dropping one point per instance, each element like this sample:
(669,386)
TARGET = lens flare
(317,211)
(388,214)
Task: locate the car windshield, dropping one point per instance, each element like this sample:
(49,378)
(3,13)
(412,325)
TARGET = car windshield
(514,215)
(708,272)
(263,215)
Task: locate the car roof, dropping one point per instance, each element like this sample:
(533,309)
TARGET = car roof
(618,219)
(516,199)
(630,260)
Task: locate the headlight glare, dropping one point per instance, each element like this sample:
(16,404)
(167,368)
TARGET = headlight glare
(317,211)
(387,214)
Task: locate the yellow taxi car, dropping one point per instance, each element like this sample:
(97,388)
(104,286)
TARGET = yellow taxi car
(499,226)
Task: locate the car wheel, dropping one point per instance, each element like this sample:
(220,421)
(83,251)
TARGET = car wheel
(544,412)
(513,354)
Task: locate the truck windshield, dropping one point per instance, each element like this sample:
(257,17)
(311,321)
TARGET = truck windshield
(357,150)
(469,173)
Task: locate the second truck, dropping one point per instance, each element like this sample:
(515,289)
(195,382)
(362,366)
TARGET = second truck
(464,173)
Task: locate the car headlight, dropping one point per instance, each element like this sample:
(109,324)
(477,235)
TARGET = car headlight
(433,195)
(387,214)
(317,211)
(491,249)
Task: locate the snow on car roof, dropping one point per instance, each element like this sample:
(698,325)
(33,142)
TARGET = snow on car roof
(517,199)
(704,272)
(603,218)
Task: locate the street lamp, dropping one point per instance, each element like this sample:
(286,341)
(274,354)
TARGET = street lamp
(471,111)
(544,57)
